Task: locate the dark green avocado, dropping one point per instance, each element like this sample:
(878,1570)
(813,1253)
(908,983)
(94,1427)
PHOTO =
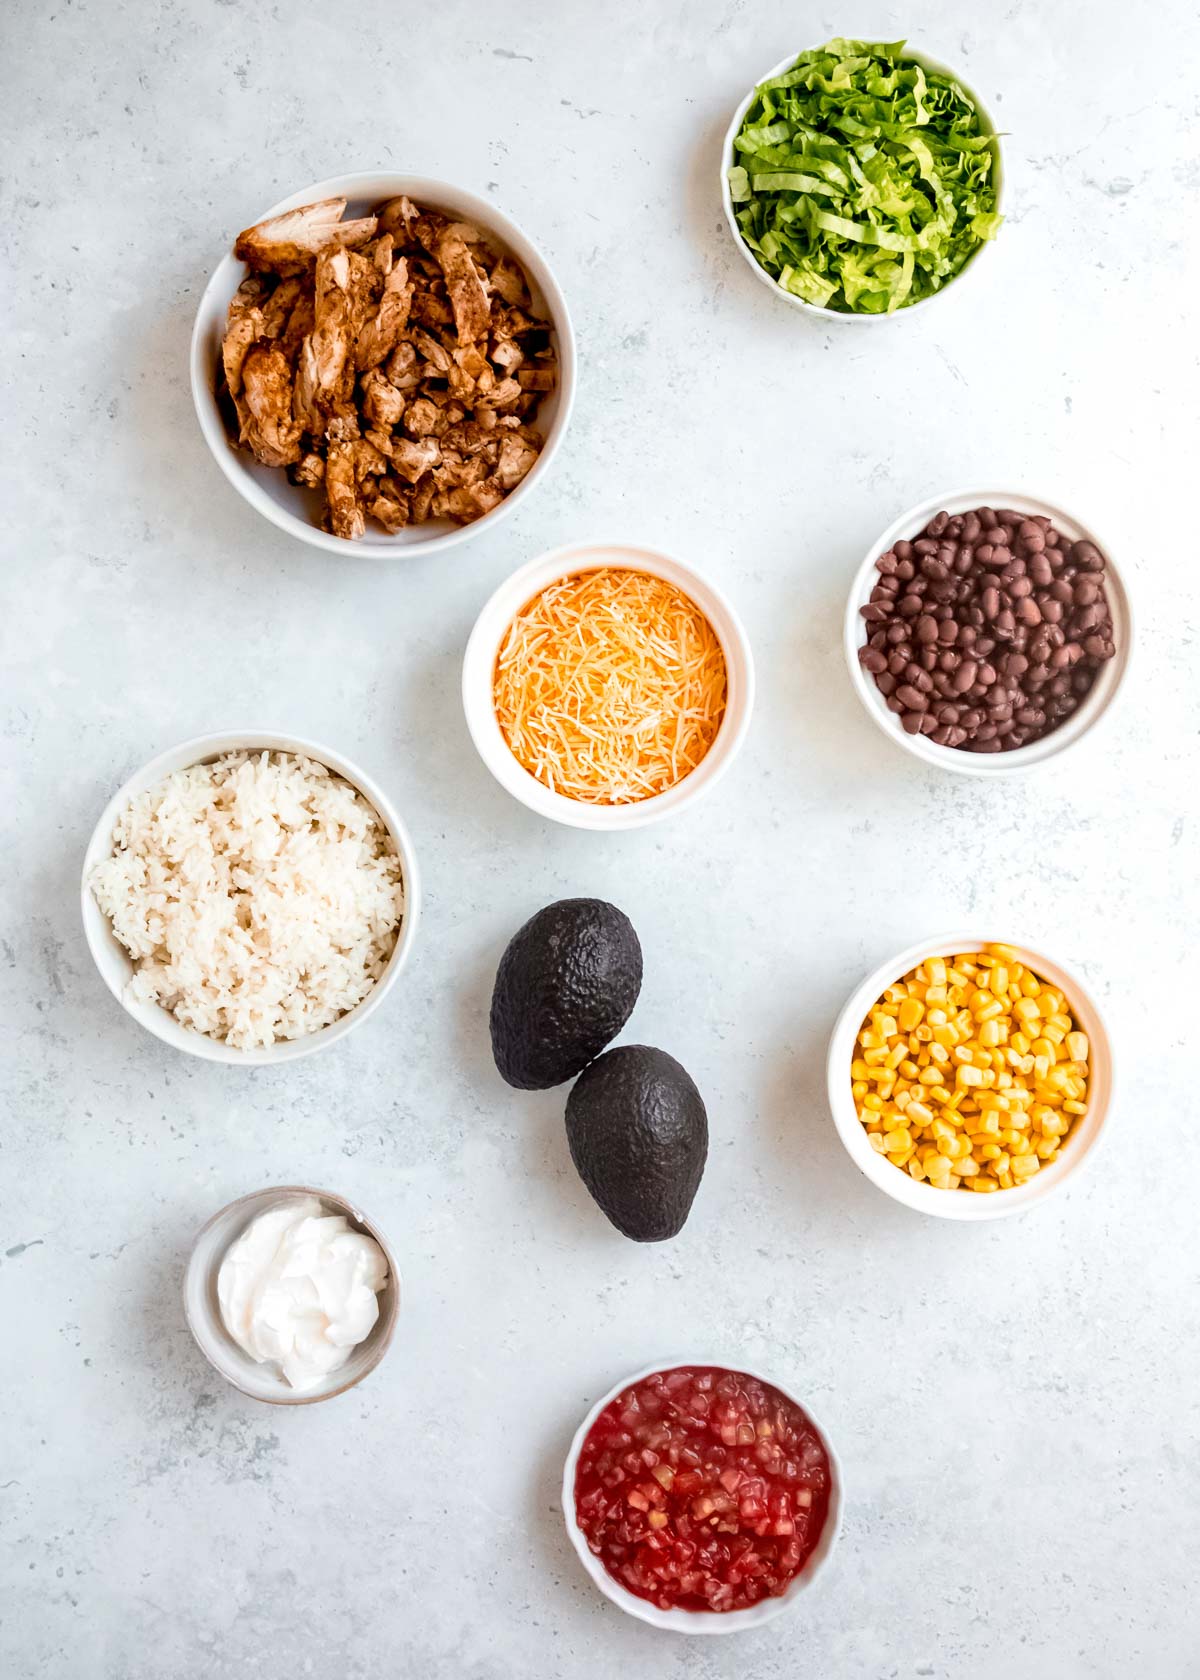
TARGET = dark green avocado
(565,987)
(638,1133)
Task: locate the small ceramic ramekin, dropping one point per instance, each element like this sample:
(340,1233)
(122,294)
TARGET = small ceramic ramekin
(729,158)
(203,1312)
(268,489)
(114,963)
(479,664)
(969,1204)
(703,1621)
(1097,703)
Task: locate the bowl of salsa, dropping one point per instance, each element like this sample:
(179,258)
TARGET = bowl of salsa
(701,1498)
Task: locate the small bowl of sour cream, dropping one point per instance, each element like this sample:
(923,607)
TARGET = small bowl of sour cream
(292,1294)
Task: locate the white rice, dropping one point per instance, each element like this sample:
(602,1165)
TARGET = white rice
(260,896)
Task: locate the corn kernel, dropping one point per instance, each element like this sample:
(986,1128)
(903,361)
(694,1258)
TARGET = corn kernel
(910,1013)
(1077,1044)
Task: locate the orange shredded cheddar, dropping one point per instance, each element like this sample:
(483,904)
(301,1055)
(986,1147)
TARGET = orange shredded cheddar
(610,686)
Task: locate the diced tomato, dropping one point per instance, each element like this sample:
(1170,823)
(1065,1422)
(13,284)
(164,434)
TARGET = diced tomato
(702,1489)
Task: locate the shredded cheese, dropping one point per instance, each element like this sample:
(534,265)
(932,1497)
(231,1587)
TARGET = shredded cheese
(610,686)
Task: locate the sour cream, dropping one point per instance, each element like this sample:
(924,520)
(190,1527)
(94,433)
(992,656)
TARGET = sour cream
(299,1288)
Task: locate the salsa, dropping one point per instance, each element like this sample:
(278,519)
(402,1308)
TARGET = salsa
(702,1489)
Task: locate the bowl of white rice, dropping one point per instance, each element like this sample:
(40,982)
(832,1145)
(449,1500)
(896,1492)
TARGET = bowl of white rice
(250,897)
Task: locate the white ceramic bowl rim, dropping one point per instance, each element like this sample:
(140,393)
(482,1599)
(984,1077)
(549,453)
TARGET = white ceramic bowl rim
(1098,703)
(927,62)
(202,1311)
(963,1204)
(250,480)
(700,1621)
(479,666)
(113,961)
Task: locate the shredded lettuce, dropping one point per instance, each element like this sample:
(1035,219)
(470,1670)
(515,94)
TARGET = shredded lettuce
(862,182)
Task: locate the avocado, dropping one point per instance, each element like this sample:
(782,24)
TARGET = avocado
(638,1133)
(565,987)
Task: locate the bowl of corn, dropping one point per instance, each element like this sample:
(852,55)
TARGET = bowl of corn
(970,1079)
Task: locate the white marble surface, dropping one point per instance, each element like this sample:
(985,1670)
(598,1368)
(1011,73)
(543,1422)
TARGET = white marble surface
(1015,1404)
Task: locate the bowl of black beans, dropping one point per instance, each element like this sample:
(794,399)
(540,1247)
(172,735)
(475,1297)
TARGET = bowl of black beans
(987,631)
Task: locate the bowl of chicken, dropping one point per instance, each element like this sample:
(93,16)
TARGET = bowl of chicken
(383,362)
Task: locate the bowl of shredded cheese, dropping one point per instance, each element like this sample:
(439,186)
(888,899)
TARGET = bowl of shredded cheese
(606,685)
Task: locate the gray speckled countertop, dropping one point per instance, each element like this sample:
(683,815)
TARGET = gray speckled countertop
(1015,1404)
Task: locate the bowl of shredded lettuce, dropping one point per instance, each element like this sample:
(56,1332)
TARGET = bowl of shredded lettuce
(861,179)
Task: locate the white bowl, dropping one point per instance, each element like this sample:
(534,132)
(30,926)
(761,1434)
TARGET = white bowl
(729,158)
(704,1621)
(969,1204)
(203,1312)
(114,963)
(289,506)
(1096,703)
(479,665)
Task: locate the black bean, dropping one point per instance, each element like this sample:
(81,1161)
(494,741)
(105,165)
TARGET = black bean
(1087,557)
